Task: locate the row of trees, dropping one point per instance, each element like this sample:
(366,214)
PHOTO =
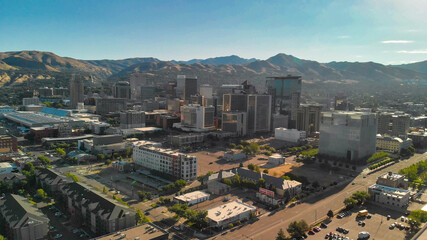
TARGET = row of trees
(195,218)
(246,147)
(416,173)
(357,198)
(377,156)
(144,195)
(383,162)
(174,187)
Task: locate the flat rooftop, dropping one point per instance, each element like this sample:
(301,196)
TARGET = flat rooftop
(192,196)
(391,176)
(389,190)
(143,232)
(229,210)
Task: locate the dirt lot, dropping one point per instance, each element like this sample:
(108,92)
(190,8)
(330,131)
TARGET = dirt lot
(377,226)
(209,161)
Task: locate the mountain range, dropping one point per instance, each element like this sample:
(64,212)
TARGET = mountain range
(21,66)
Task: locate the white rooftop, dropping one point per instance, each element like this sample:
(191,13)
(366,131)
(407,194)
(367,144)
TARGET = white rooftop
(229,210)
(192,196)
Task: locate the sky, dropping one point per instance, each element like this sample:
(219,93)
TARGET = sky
(384,31)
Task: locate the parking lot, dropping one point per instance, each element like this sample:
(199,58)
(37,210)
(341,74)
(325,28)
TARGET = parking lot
(377,225)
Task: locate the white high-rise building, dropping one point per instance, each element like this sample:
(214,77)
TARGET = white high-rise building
(198,117)
(150,155)
(206,91)
(348,136)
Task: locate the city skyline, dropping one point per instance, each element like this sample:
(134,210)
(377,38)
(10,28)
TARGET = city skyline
(387,32)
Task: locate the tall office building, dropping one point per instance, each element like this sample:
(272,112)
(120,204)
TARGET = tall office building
(122,89)
(257,107)
(76,90)
(206,91)
(394,124)
(190,88)
(308,118)
(348,136)
(235,122)
(148,92)
(286,93)
(132,119)
(45,92)
(198,117)
(107,105)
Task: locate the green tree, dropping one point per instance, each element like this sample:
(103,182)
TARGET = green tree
(236,180)
(418,215)
(281,235)
(261,183)
(361,197)
(330,214)
(265,171)
(251,166)
(41,194)
(350,202)
(44,160)
(29,167)
(60,151)
(297,229)
(101,157)
(141,218)
(108,162)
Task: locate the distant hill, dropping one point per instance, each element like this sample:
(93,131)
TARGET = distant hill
(18,67)
(233,59)
(418,66)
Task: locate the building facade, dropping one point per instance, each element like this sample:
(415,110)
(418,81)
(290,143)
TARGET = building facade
(122,89)
(393,124)
(235,122)
(132,119)
(289,135)
(150,155)
(392,144)
(393,198)
(348,136)
(286,95)
(76,91)
(107,105)
(190,87)
(394,180)
(198,117)
(308,118)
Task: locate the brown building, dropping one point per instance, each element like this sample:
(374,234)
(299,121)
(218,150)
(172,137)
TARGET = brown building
(166,121)
(8,144)
(43,132)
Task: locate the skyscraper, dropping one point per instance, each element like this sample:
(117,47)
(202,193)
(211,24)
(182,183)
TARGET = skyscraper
(76,90)
(286,93)
(257,107)
(308,118)
(393,124)
(190,88)
(122,89)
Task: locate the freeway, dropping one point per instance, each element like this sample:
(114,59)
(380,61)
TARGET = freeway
(313,208)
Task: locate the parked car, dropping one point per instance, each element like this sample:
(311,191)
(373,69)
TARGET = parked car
(323,225)
(311,232)
(76,230)
(388,217)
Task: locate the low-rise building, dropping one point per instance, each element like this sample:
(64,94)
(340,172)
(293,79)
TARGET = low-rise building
(276,159)
(8,144)
(289,135)
(392,144)
(218,188)
(150,155)
(228,213)
(6,167)
(393,180)
(96,210)
(192,198)
(233,155)
(180,140)
(394,198)
(21,220)
(146,231)
(419,139)
(50,180)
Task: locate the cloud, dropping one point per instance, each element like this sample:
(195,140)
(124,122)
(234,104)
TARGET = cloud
(396,41)
(343,37)
(419,51)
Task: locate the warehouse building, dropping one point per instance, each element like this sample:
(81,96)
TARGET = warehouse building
(192,198)
(231,212)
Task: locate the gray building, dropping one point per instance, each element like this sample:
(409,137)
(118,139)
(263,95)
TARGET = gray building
(148,92)
(61,91)
(122,89)
(393,124)
(76,90)
(107,105)
(286,95)
(107,139)
(21,220)
(190,87)
(45,92)
(132,119)
(30,101)
(235,122)
(256,106)
(308,118)
(348,136)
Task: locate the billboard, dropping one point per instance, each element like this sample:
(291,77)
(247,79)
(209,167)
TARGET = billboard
(266,192)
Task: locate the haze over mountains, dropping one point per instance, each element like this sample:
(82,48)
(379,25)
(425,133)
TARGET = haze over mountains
(230,69)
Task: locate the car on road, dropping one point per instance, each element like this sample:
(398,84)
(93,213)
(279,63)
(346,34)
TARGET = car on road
(57,236)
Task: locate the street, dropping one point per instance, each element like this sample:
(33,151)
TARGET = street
(268,225)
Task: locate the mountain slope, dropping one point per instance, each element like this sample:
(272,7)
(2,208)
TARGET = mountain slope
(418,66)
(233,59)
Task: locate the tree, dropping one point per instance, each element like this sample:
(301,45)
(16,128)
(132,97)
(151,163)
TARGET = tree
(29,167)
(41,194)
(297,229)
(140,218)
(108,162)
(418,215)
(251,166)
(361,197)
(44,160)
(281,235)
(350,202)
(261,183)
(265,171)
(236,180)
(60,151)
(414,224)
(2,237)
(330,214)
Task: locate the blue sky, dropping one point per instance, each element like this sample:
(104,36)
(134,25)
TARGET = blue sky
(389,32)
